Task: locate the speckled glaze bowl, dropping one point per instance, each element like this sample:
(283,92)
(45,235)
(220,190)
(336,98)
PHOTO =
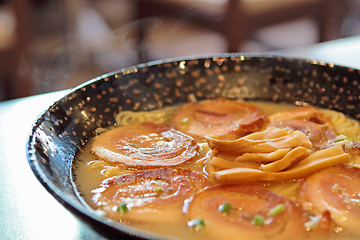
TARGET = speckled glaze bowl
(65,127)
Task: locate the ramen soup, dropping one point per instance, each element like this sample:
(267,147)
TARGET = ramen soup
(227,169)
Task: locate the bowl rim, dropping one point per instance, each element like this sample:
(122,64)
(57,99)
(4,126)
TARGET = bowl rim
(82,211)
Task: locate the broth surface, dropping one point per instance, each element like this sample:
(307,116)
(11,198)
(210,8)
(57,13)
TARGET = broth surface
(91,171)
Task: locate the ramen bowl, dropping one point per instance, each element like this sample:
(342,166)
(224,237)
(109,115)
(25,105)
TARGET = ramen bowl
(65,127)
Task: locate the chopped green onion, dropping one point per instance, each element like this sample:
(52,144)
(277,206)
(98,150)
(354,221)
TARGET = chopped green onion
(158,190)
(197,224)
(276,210)
(167,116)
(225,207)
(258,220)
(339,140)
(185,121)
(122,208)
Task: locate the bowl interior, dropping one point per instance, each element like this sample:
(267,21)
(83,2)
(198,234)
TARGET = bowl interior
(65,127)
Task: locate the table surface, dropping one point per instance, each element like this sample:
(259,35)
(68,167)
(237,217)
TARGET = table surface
(28,211)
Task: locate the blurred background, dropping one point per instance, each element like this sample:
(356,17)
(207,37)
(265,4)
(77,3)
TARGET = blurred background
(50,45)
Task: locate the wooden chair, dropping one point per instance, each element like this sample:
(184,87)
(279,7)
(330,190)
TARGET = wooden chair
(236,20)
(15,84)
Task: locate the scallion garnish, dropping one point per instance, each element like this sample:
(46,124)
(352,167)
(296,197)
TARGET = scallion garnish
(158,190)
(276,210)
(197,224)
(185,121)
(167,117)
(122,208)
(339,140)
(258,220)
(225,207)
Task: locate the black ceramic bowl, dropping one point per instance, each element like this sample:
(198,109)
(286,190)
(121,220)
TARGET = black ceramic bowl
(66,126)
